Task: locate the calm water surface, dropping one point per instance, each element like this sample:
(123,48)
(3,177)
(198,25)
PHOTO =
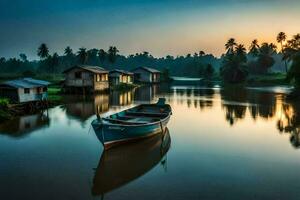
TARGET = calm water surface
(222,144)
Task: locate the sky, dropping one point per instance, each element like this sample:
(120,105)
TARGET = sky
(161,27)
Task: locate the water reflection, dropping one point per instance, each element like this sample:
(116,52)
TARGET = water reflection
(289,122)
(236,101)
(195,97)
(146,93)
(121,98)
(82,108)
(213,130)
(119,166)
(21,126)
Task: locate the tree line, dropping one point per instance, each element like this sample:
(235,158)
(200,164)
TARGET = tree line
(234,66)
(198,64)
(237,63)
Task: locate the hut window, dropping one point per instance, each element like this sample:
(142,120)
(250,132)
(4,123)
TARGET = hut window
(103,77)
(26,90)
(106,77)
(78,75)
(98,78)
(45,89)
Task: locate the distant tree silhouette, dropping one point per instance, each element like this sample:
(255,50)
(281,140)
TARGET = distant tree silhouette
(43,51)
(92,56)
(254,48)
(23,57)
(240,51)
(294,72)
(112,54)
(234,67)
(82,55)
(281,37)
(201,53)
(230,45)
(209,72)
(54,62)
(68,51)
(102,55)
(265,56)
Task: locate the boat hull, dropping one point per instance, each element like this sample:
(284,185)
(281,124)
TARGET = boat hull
(112,135)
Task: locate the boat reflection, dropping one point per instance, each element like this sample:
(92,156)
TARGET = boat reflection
(119,166)
(21,126)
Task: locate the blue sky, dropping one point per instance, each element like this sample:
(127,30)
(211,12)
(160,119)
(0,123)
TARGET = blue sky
(160,27)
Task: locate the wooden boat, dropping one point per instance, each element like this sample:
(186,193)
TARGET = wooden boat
(119,166)
(135,123)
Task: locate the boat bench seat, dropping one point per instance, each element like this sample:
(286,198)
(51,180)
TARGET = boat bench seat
(125,122)
(145,114)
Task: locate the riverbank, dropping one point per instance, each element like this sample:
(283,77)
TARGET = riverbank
(272,79)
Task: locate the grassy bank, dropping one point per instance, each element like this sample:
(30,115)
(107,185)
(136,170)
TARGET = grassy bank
(4,111)
(268,79)
(54,93)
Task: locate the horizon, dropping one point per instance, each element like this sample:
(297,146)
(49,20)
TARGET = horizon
(160,28)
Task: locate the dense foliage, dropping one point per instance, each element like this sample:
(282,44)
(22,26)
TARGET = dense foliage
(189,65)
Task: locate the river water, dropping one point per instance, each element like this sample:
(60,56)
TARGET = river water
(222,144)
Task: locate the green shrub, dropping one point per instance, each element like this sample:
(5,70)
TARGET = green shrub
(4,103)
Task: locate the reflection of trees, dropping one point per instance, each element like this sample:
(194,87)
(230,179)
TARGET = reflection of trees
(289,122)
(232,102)
(201,98)
(234,112)
(236,100)
(261,104)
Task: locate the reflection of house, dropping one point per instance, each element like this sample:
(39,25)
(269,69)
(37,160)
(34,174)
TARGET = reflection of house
(85,108)
(84,78)
(120,76)
(24,90)
(20,126)
(146,93)
(121,98)
(146,75)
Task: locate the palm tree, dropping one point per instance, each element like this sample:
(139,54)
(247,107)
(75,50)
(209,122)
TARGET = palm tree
(43,51)
(68,51)
(201,53)
(112,54)
(54,61)
(234,68)
(241,53)
(82,55)
(102,55)
(253,49)
(23,57)
(229,46)
(265,56)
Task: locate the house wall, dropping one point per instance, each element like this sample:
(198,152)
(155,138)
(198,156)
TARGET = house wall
(97,82)
(144,75)
(35,94)
(85,80)
(101,82)
(117,77)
